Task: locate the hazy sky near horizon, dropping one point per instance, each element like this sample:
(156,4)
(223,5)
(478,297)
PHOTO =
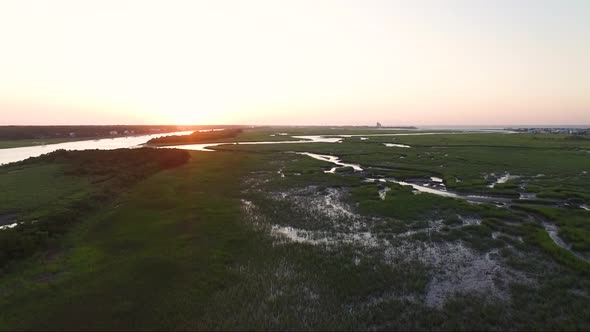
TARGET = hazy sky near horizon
(471,62)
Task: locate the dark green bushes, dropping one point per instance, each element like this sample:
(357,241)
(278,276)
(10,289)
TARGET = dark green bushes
(111,172)
(196,137)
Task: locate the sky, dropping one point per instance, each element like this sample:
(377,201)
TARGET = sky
(297,62)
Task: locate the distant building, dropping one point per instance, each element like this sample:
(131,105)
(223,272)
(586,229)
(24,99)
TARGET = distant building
(113,132)
(72,134)
(378,125)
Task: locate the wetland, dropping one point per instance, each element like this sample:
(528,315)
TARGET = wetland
(301,228)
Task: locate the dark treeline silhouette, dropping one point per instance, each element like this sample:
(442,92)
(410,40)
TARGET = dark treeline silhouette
(40,132)
(111,172)
(196,137)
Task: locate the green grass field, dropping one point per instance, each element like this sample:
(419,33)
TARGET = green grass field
(33,189)
(138,264)
(195,247)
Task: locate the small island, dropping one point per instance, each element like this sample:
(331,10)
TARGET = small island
(196,137)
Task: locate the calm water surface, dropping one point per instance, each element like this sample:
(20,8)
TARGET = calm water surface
(18,154)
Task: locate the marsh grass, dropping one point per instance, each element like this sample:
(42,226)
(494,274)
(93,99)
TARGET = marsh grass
(176,251)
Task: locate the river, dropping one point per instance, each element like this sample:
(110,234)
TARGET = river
(17,154)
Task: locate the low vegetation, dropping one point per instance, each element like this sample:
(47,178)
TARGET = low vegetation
(44,196)
(258,237)
(196,137)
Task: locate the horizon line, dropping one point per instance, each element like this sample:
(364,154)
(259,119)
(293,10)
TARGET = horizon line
(303,125)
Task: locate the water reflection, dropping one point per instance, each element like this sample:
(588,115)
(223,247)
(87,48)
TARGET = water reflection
(393,145)
(302,139)
(18,154)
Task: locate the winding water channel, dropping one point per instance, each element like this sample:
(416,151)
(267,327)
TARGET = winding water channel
(12,155)
(436,185)
(300,140)
(440,190)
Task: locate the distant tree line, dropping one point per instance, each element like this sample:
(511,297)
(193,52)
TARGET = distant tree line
(196,137)
(41,132)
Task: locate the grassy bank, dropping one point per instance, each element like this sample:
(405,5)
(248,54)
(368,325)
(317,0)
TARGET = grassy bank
(151,260)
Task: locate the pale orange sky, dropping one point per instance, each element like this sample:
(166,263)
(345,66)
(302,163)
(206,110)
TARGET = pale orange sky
(295,62)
